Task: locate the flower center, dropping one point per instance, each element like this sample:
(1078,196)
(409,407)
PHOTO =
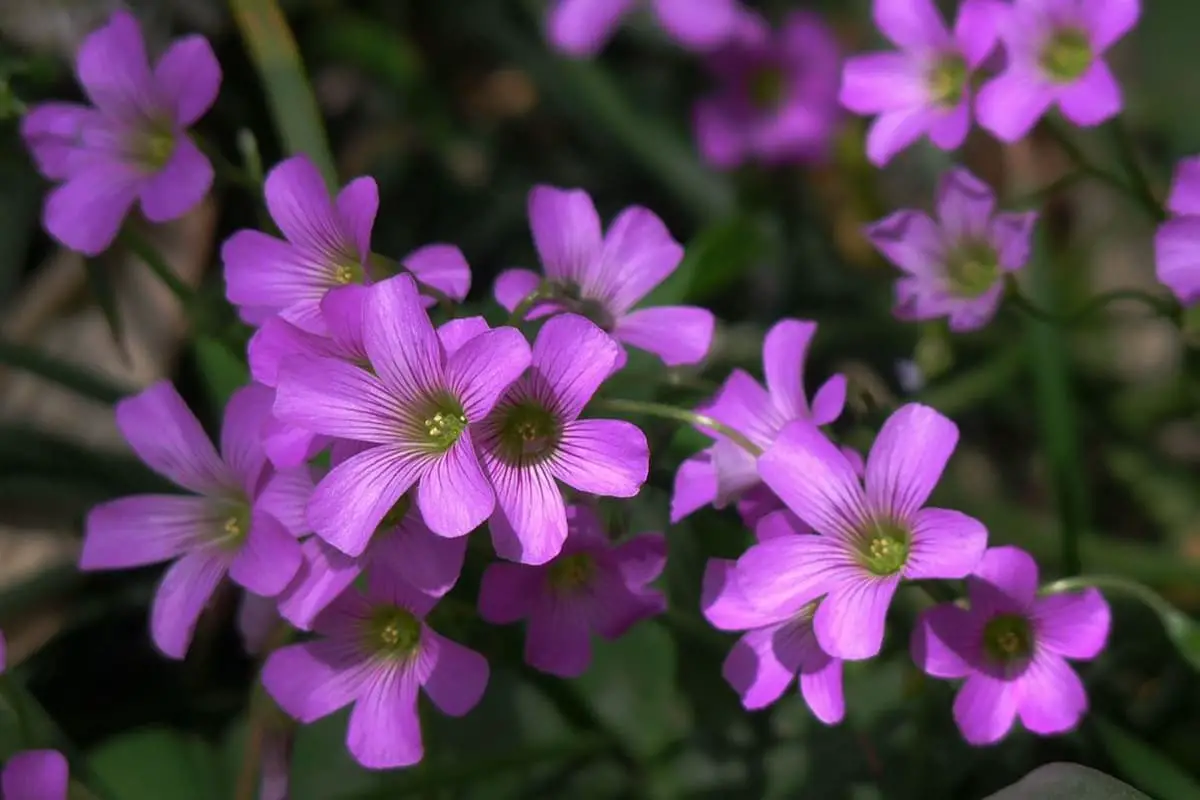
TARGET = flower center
(442,422)
(592,309)
(392,632)
(948,80)
(1067,56)
(766,87)
(571,573)
(157,148)
(973,269)
(234,526)
(529,432)
(1007,638)
(884,547)
(347,272)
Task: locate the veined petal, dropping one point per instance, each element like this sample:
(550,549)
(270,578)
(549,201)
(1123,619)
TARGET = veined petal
(814,479)
(268,559)
(350,502)
(965,206)
(343,310)
(1072,624)
(507,592)
(454,333)
(484,367)
(181,597)
(529,524)
(565,225)
(945,544)
(946,641)
(277,340)
(676,334)
(573,356)
(324,574)
(314,679)
(188,77)
(1051,697)
(400,340)
(285,497)
(263,271)
(242,430)
(985,708)
(165,434)
(430,563)
(384,731)
(754,670)
(299,202)
(780,576)
(602,456)
(333,397)
(441,266)
(785,349)
(356,205)
(907,459)
(639,253)
(458,678)
(850,621)
(454,495)
(146,529)
(557,636)
(1007,572)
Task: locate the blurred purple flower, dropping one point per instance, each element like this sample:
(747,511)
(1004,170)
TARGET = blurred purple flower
(725,472)
(581,27)
(417,408)
(1054,57)
(777,95)
(35,775)
(534,438)
(955,267)
(868,540)
(589,586)
(602,277)
(376,652)
(925,89)
(244,522)
(777,647)
(1012,647)
(1177,243)
(131,144)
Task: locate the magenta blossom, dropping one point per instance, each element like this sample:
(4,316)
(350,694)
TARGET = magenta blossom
(1177,243)
(777,100)
(589,586)
(534,438)
(35,775)
(581,27)
(925,88)
(242,519)
(132,143)
(418,407)
(954,267)
(777,647)
(726,471)
(867,539)
(1012,647)
(376,652)
(328,244)
(603,277)
(1054,57)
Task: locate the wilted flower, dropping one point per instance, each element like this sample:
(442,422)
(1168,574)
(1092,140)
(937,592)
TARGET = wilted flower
(954,267)
(777,95)
(868,540)
(1012,647)
(1177,243)
(581,27)
(925,88)
(603,277)
(1054,57)
(589,586)
(132,143)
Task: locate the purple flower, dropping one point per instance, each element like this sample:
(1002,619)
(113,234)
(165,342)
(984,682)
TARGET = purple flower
(328,244)
(416,408)
(925,89)
(603,277)
(376,651)
(954,267)
(402,545)
(589,586)
(777,99)
(1012,647)
(242,519)
(581,27)
(534,438)
(1177,243)
(725,471)
(132,143)
(36,775)
(1054,57)
(868,540)
(777,647)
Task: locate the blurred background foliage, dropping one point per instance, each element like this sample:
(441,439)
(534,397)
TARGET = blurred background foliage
(457,109)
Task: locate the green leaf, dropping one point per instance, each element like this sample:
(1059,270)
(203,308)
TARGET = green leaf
(1144,765)
(713,261)
(69,376)
(223,370)
(1067,782)
(157,763)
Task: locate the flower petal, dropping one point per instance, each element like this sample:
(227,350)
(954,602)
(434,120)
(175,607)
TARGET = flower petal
(277,340)
(945,544)
(350,502)
(55,134)
(573,356)
(484,367)
(850,620)
(384,731)
(145,529)
(242,430)
(699,24)
(830,400)
(676,334)
(514,285)
(357,204)
(977,29)
(454,495)
(324,574)
(1092,99)
(695,486)
(821,688)
(1052,698)
(185,590)
(945,641)
(507,592)
(179,186)
(780,523)
(312,680)
(1010,104)
(910,240)
(188,76)
(557,637)
(529,524)
(1072,625)
(86,212)
(263,271)
(581,27)
(893,131)
(1185,187)
(907,459)
(880,82)
(285,497)
(269,558)
(299,202)
(785,350)
(459,676)
(343,309)
(814,479)
(754,670)
(607,457)
(780,576)
(639,253)
(641,559)
(333,397)
(718,137)
(965,206)
(723,603)
(401,342)
(1012,236)
(36,775)
(1007,575)
(428,562)
(443,267)
(1109,21)
(912,24)
(114,71)
(165,434)
(1177,257)
(565,225)
(985,708)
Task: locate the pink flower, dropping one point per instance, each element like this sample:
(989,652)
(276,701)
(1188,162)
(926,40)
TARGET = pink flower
(36,775)
(1177,243)
(581,27)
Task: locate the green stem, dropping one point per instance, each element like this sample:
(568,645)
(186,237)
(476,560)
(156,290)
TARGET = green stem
(226,170)
(78,379)
(153,259)
(682,415)
(1127,152)
(1080,159)
(1161,306)
(522,309)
